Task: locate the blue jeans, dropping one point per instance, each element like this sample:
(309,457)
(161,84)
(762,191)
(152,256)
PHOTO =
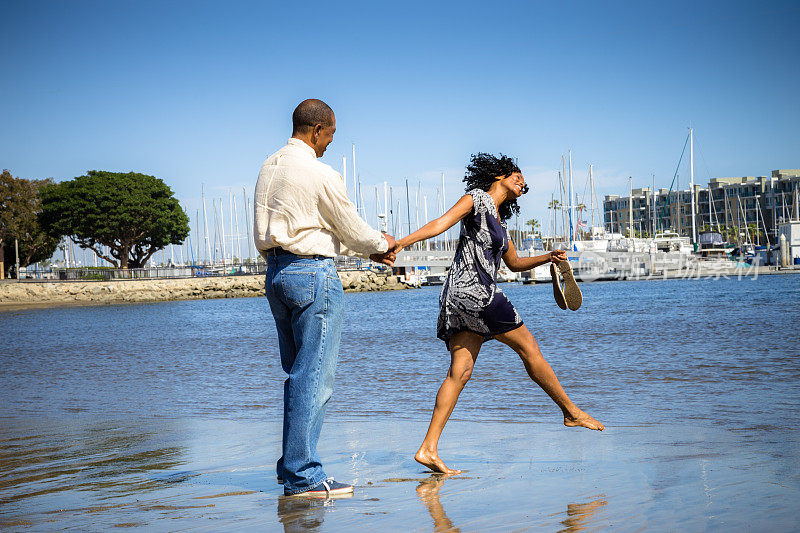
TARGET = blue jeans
(307,301)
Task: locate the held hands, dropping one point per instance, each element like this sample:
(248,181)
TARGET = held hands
(556,256)
(388,257)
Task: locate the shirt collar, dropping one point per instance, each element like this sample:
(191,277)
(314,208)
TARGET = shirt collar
(303,146)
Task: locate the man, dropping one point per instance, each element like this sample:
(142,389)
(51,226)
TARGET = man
(303,219)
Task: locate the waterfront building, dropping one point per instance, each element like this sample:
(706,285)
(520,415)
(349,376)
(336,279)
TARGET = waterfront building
(748,208)
(670,212)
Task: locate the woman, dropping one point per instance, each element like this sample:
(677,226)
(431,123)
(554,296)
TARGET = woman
(472,308)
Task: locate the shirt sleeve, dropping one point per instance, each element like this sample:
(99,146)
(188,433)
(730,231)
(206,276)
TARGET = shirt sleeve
(340,214)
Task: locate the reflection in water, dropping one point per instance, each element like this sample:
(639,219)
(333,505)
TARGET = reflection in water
(428,492)
(579,515)
(299,513)
(101,459)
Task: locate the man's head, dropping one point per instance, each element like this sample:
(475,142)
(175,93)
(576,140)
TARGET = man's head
(314,123)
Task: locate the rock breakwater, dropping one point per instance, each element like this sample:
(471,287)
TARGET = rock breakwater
(159,290)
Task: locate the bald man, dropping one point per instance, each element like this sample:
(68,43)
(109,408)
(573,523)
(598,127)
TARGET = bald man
(303,219)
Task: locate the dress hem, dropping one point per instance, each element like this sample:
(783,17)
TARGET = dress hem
(486,336)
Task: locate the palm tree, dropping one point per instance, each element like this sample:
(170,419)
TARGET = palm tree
(533,223)
(753,230)
(580,208)
(554,205)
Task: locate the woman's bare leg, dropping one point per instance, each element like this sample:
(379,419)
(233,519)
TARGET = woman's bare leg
(464,348)
(522,342)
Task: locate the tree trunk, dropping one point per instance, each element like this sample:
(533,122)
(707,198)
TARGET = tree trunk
(123,256)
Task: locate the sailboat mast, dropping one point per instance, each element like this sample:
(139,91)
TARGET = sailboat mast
(205,220)
(232,235)
(691,181)
(238,239)
(709,207)
(562,177)
(247,220)
(216,228)
(654,205)
(392,211)
(561,174)
(222,228)
(417,202)
(744,219)
(196,235)
(425,203)
(363,211)
(408,208)
(355,179)
(444,207)
(439,213)
(679,205)
(571,204)
(377,209)
(591,198)
(398,221)
(344,174)
(386,210)
(630,207)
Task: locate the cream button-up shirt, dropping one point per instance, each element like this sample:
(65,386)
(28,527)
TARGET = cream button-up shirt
(301,205)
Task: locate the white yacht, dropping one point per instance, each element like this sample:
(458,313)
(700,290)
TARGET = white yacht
(669,241)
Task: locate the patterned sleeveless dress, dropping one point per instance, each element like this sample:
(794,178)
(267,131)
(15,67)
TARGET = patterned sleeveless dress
(470,299)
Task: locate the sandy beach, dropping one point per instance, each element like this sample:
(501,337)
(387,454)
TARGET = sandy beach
(211,475)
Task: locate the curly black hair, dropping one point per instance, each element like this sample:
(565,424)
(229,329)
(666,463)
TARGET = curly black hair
(483,170)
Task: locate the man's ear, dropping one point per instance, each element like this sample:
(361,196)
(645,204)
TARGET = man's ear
(315,133)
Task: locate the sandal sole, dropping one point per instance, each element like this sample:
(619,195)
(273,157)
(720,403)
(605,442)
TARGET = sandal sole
(558,294)
(572,292)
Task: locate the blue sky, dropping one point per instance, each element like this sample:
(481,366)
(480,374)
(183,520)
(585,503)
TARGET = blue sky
(202,92)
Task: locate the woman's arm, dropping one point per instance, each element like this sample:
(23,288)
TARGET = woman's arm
(519,264)
(435,227)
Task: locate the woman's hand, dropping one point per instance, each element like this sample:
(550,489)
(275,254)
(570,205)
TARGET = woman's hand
(556,256)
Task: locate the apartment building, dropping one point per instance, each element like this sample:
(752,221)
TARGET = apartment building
(762,202)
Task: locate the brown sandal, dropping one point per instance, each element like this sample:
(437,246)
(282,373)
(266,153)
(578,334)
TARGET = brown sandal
(571,291)
(557,292)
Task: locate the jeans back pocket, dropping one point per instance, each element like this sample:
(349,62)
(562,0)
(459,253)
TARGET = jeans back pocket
(298,287)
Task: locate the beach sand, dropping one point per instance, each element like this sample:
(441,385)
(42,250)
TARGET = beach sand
(211,475)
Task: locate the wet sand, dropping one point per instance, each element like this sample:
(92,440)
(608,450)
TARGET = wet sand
(211,475)
(166,416)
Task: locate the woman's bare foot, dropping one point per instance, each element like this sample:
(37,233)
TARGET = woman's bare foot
(434,462)
(582,419)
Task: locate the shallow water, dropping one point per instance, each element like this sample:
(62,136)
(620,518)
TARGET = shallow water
(167,415)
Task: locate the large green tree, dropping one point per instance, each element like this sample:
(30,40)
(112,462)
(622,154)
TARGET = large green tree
(19,209)
(132,214)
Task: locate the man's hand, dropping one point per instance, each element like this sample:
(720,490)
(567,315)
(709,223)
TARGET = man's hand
(386,259)
(556,256)
(389,256)
(391,242)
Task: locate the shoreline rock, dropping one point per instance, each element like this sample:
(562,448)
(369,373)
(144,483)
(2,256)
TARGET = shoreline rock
(43,293)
